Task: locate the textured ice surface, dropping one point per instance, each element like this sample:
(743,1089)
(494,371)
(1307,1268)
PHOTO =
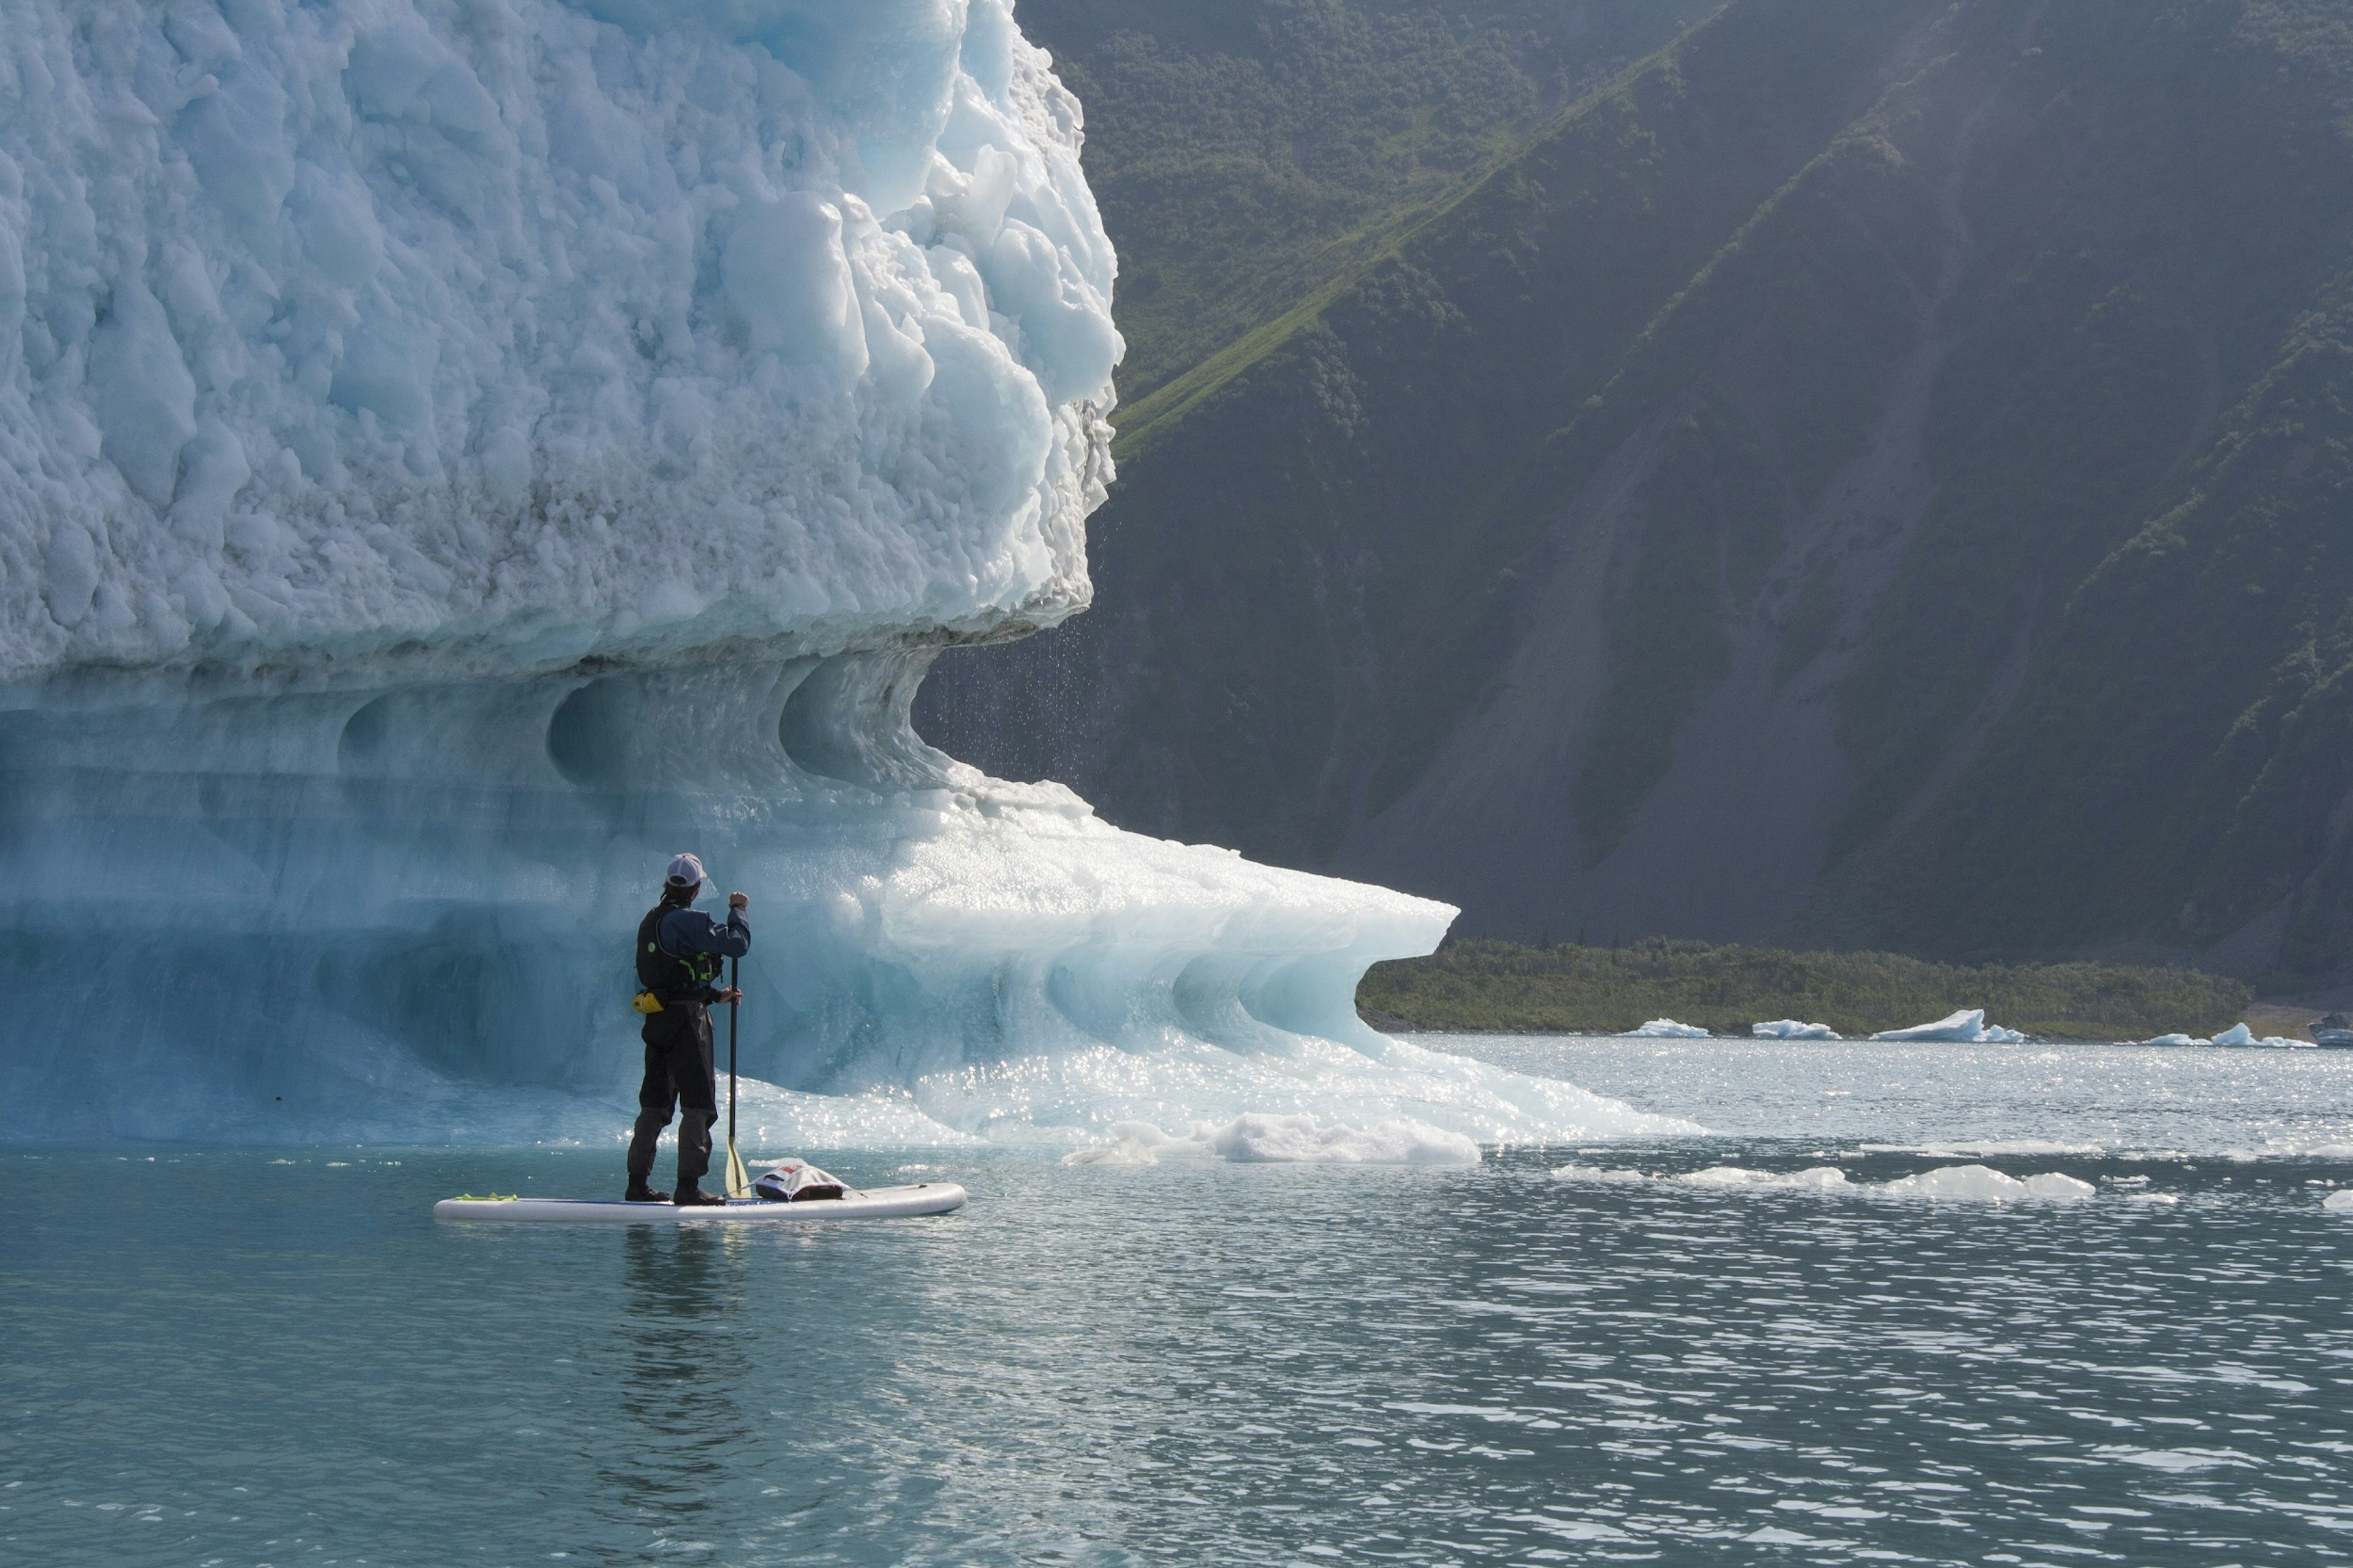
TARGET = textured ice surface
(1967,1027)
(1792,1029)
(473,336)
(2341,1200)
(1665,1029)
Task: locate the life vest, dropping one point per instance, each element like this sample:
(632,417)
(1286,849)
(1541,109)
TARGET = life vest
(669,978)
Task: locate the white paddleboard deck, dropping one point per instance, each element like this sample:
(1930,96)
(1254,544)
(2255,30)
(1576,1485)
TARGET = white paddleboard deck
(875,1202)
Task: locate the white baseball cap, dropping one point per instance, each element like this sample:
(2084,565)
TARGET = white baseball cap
(685,870)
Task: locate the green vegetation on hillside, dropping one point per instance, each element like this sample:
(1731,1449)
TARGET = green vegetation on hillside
(1250,155)
(1500,987)
(1307,583)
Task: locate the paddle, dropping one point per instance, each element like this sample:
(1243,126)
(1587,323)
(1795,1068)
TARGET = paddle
(739,1184)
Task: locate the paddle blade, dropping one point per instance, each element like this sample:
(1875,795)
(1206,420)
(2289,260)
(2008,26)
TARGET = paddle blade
(739,1184)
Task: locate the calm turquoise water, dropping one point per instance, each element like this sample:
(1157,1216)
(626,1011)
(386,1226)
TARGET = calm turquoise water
(238,1358)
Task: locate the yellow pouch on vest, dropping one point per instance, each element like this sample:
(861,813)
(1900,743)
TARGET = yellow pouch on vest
(647,1001)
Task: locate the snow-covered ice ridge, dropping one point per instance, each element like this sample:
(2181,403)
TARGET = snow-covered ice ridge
(460,337)
(455,453)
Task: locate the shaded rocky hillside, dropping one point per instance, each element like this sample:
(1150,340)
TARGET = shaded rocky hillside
(1876,473)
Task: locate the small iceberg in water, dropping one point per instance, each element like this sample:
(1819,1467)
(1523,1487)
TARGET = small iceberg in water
(1792,1029)
(1818,1178)
(2240,1035)
(1968,1029)
(2236,1035)
(1983,1183)
(1968,1184)
(1665,1029)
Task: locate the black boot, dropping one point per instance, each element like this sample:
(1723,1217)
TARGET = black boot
(640,1193)
(691,1196)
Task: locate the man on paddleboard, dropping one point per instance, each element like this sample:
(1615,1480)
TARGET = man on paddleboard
(679,953)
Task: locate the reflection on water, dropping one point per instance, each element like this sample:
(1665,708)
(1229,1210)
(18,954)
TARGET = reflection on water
(680,1369)
(1202,1361)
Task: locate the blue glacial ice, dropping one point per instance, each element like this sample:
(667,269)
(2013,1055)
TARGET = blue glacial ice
(1665,1029)
(1966,1028)
(455,455)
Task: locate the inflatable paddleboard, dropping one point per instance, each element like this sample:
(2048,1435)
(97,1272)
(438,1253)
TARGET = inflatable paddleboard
(875,1202)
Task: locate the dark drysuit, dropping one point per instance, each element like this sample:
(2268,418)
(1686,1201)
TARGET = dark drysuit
(679,1076)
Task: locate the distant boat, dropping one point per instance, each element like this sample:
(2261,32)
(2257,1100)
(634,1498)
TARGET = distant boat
(2336,1030)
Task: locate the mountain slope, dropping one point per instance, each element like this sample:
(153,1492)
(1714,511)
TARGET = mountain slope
(1878,474)
(1249,153)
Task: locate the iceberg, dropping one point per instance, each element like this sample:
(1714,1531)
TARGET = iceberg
(2174,1040)
(1817,1178)
(1983,1183)
(1665,1029)
(1967,1027)
(1979,1183)
(2339,1201)
(1792,1029)
(454,457)
(2239,1035)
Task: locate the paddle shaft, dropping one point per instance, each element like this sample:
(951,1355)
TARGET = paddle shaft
(734,983)
(738,1181)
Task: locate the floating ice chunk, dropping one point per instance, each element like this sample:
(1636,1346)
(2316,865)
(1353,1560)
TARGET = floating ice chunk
(2340,1200)
(1983,1183)
(1975,1182)
(1665,1029)
(2176,1040)
(1966,1027)
(1615,1175)
(1819,1178)
(1792,1029)
(1256,1139)
(2241,1034)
